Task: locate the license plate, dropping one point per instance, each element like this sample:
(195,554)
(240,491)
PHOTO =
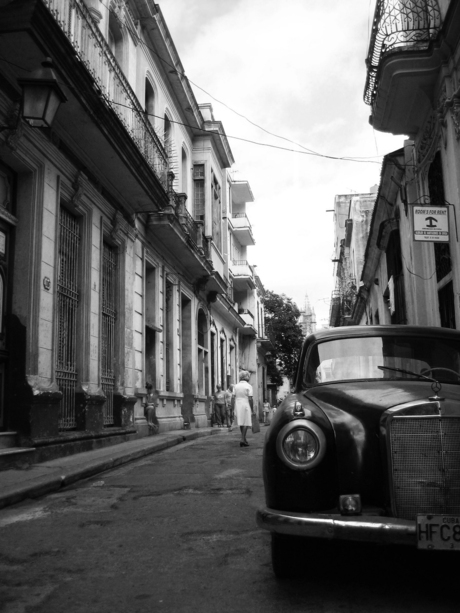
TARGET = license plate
(438,532)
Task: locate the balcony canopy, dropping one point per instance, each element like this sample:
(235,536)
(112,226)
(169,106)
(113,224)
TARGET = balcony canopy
(401,65)
(241,192)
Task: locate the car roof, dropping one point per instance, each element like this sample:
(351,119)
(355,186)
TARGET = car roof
(369,331)
(389,330)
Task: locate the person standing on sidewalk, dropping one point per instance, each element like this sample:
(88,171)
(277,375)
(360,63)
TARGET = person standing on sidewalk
(219,406)
(266,412)
(244,405)
(229,406)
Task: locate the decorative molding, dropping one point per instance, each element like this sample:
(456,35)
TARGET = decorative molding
(442,112)
(6,216)
(425,145)
(121,229)
(385,229)
(78,192)
(455,114)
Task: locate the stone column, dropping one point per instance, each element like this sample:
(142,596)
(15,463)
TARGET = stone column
(37,416)
(89,409)
(123,410)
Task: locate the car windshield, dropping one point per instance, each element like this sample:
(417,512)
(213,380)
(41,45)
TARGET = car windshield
(363,358)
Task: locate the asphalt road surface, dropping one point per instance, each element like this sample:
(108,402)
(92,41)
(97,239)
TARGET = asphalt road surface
(176,532)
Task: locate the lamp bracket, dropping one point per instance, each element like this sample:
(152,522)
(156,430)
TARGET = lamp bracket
(14,127)
(13,116)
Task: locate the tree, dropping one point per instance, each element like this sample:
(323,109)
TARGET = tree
(282,328)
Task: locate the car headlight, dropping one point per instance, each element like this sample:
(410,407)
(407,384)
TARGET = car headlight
(301,444)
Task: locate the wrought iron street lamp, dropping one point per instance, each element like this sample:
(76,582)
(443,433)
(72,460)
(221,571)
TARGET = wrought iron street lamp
(41,97)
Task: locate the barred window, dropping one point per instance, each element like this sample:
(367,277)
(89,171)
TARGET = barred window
(109,269)
(67,300)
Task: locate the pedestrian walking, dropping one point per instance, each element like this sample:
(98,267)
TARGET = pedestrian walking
(242,400)
(219,406)
(229,406)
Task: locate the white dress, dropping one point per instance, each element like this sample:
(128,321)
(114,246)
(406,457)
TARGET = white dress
(242,392)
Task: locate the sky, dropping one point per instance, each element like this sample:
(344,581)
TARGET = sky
(296,69)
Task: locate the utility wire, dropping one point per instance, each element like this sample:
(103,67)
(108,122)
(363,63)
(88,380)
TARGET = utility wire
(260,144)
(252,142)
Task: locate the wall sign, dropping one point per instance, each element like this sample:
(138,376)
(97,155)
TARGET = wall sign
(431,224)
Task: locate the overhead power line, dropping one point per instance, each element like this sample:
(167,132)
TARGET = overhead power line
(369,159)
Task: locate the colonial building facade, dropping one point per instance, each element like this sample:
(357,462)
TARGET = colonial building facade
(352,217)
(119,287)
(411,269)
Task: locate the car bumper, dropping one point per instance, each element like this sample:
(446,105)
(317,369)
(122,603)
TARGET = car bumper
(365,528)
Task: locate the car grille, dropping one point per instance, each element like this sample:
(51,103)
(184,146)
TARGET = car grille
(425,465)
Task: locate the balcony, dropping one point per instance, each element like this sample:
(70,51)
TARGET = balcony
(181,235)
(126,157)
(243,277)
(403,64)
(249,324)
(242,229)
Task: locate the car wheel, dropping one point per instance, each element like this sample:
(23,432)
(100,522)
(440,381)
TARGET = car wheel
(286,556)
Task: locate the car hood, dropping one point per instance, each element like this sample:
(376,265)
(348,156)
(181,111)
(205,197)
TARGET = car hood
(377,395)
(354,410)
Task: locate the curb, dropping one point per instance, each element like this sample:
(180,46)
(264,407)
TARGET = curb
(62,477)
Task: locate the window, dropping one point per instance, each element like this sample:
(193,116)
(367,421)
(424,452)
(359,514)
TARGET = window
(216,213)
(115,38)
(232,375)
(380,357)
(169,335)
(198,192)
(203,369)
(167,138)
(109,271)
(213,362)
(149,102)
(150,333)
(223,363)
(184,171)
(395,274)
(67,301)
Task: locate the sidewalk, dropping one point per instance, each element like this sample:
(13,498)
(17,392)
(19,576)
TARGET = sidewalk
(40,479)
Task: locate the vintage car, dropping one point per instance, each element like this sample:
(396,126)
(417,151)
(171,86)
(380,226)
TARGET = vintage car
(367,447)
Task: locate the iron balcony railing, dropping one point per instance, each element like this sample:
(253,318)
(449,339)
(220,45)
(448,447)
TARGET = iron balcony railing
(76,22)
(193,229)
(399,25)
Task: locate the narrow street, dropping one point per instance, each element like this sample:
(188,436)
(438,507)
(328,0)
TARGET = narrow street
(176,531)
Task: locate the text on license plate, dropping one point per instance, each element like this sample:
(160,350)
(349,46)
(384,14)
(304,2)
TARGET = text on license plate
(438,532)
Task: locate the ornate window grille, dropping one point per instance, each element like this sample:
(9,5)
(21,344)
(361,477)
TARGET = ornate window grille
(67,308)
(109,269)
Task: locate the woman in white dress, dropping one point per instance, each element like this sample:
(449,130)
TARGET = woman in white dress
(242,399)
